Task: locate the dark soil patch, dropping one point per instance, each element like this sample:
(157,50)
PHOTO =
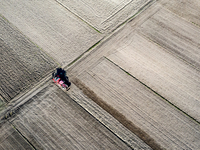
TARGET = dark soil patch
(22,62)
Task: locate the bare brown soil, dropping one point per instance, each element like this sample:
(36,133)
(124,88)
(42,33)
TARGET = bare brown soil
(117,115)
(145,74)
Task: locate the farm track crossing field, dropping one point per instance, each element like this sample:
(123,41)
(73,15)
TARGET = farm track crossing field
(22,62)
(105,15)
(52,120)
(52,27)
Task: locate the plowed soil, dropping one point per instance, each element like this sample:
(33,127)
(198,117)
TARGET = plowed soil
(52,120)
(141,106)
(134,68)
(185,8)
(22,62)
(52,27)
(11,139)
(105,15)
(149,72)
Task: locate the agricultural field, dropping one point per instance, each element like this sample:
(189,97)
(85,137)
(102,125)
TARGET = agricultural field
(149,72)
(2,105)
(134,68)
(22,62)
(172,78)
(140,105)
(11,139)
(105,15)
(177,36)
(52,120)
(53,28)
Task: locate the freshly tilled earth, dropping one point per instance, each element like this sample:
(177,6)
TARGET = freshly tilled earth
(61,34)
(22,62)
(52,120)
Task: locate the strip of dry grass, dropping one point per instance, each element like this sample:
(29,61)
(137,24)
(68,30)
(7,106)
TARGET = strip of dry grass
(117,115)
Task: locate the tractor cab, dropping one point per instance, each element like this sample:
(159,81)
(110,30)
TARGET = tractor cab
(59,77)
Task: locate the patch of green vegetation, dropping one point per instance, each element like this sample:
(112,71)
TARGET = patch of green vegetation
(196,24)
(75,60)
(2,104)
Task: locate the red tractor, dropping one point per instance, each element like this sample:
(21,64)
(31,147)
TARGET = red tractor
(59,77)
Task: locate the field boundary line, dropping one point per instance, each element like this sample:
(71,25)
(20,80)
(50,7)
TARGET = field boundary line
(80,56)
(103,116)
(197,25)
(22,136)
(78,16)
(142,9)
